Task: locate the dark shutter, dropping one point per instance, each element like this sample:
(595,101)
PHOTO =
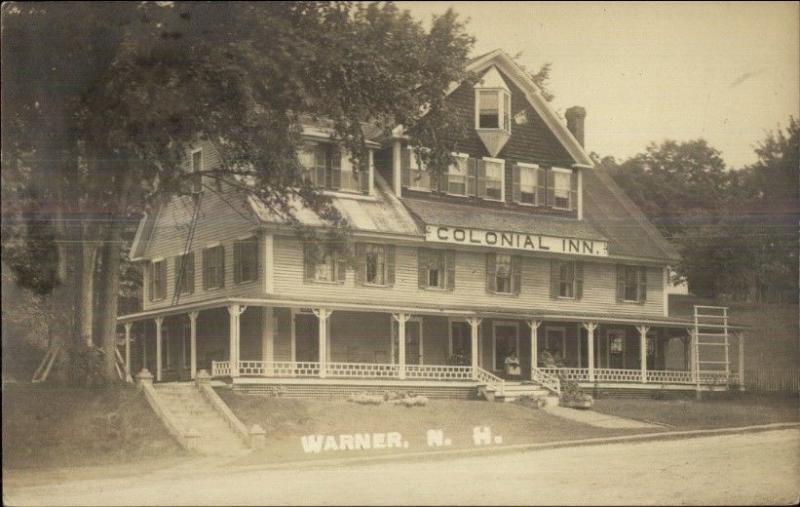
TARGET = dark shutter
(335,162)
(206,261)
(515,184)
(541,185)
(308,263)
(405,167)
(442,179)
(578,280)
(361,263)
(551,188)
(422,267)
(450,268)
(237,262)
(341,268)
(320,165)
(389,265)
(491,272)
(555,278)
(472,176)
(481,179)
(642,292)
(150,279)
(516,273)
(188,272)
(573,195)
(221,264)
(620,283)
(363,178)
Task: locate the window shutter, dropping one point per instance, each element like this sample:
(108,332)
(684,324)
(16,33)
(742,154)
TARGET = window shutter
(491,271)
(472,175)
(620,283)
(555,278)
(221,255)
(205,262)
(320,157)
(578,280)
(422,267)
(335,163)
(450,268)
(308,263)
(573,195)
(541,175)
(405,167)
(642,292)
(188,272)
(341,269)
(516,274)
(515,179)
(162,276)
(389,265)
(481,178)
(551,188)
(361,263)
(237,262)
(150,280)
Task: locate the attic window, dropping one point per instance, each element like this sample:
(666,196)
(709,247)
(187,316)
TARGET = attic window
(494,108)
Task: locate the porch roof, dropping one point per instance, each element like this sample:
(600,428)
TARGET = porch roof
(453,311)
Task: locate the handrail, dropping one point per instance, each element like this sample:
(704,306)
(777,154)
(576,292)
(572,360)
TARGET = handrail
(550,382)
(491,379)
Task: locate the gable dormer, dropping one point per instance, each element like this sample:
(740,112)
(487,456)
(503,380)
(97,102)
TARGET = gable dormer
(493,111)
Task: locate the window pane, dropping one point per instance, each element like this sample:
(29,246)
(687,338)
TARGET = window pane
(325,269)
(503,273)
(436,270)
(494,180)
(457,177)
(375,265)
(489,110)
(631,283)
(562,190)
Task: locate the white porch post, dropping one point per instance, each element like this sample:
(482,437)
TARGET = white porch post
(128,326)
(401,319)
(590,328)
(193,344)
(268,340)
(643,351)
(692,358)
(323,314)
(740,336)
(474,322)
(159,321)
(235,312)
(534,325)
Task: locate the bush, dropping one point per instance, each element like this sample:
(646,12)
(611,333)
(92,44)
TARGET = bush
(571,393)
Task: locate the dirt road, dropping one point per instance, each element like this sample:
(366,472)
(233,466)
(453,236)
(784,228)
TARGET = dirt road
(753,468)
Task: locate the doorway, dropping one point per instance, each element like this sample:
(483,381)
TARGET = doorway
(306,337)
(506,341)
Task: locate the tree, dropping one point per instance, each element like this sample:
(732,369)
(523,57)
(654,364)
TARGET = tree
(102,100)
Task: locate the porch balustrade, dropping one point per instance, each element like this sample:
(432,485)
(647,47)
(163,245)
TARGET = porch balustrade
(310,369)
(634,376)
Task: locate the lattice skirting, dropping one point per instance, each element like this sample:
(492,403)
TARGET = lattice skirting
(342,391)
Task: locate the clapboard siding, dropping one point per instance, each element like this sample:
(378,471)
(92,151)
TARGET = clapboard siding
(598,292)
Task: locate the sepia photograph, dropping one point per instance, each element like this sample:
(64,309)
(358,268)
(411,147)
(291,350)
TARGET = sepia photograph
(400,253)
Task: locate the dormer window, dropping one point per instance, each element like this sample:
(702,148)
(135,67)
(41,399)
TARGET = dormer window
(493,111)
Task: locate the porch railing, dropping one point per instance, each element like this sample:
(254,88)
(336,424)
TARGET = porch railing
(308,369)
(549,381)
(362,370)
(438,372)
(635,376)
(490,379)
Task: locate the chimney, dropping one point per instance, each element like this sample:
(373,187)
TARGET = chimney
(575,116)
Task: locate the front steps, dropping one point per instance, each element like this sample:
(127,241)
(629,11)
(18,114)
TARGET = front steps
(190,410)
(513,391)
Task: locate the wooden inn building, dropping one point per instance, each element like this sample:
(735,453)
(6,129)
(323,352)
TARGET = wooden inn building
(524,247)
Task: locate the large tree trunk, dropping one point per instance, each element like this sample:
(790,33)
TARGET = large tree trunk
(109,277)
(86,310)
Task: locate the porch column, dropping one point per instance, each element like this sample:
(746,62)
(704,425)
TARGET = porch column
(534,325)
(474,322)
(268,340)
(193,344)
(692,358)
(235,312)
(323,314)
(590,328)
(643,351)
(128,326)
(159,321)
(740,336)
(401,319)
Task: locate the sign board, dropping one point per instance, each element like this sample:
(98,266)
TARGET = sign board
(515,241)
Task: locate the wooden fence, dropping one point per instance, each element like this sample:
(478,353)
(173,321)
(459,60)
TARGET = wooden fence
(772,379)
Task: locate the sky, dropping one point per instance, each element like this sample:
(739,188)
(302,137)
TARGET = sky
(726,72)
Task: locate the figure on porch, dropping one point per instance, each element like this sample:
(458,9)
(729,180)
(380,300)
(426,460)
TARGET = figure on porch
(549,360)
(512,365)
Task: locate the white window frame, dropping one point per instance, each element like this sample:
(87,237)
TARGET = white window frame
(443,285)
(152,276)
(502,163)
(501,112)
(536,169)
(563,170)
(495,325)
(574,280)
(624,291)
(413,165)
(385,266)
(463,156)
(510,274)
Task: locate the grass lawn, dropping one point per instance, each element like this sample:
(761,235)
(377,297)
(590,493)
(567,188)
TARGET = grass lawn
(45,426)
(715,410)
(287,420)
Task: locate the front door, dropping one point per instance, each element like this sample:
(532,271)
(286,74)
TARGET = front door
(506,342)
(306,337)
(413,342)
(460,344)
(616,348)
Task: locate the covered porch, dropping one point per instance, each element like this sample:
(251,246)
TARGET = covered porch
(259,339)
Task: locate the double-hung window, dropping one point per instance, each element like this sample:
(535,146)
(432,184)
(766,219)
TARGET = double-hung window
(494,109)
(326,166)
(418,177)
(323,266)
(503,273)
(566,279)
(631,284)
(184,273)
(562,195)
(457,176)
(493,179)
(375,264)
(214,267)
(245,260)
(436,269)
(158,280)
(528,182)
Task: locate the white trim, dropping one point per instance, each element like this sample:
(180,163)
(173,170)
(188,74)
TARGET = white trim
(269,263)
(561,170)
(580,193)
(157,259)
(212,244)
(397,168)
(502,162)
(528,165)
(502,323)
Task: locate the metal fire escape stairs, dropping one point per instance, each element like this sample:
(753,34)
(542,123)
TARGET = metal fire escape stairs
(711,344)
